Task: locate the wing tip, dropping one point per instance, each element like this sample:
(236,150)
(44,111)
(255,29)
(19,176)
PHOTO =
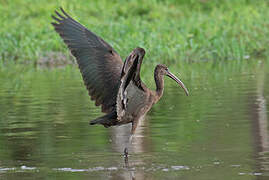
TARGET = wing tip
(62,9)
(59,15)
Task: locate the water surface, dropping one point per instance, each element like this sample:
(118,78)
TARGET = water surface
(219,132)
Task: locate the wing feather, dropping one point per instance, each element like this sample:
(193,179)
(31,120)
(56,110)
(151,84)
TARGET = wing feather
(99,64)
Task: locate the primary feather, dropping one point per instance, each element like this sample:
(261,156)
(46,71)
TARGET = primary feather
(99,64)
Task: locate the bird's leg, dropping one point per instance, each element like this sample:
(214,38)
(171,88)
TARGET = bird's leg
(134,125)
(126,148)
(126,163)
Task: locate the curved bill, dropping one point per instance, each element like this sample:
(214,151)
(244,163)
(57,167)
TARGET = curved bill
(172,76)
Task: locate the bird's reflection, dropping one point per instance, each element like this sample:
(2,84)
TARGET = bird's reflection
(120,137)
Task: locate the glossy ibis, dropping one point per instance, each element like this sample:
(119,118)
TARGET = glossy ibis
(114,85)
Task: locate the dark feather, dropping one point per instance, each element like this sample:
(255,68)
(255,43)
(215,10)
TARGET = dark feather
(107,120)
(99,64)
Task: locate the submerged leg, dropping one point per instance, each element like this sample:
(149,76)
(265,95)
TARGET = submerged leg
(134,125)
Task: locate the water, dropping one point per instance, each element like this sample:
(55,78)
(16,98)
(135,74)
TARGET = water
(219,132)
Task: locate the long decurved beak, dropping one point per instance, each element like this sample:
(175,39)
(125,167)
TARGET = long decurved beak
(172,76)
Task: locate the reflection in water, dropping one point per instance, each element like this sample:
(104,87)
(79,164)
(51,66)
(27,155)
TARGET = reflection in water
(120,138)
(44,129)
(260,120)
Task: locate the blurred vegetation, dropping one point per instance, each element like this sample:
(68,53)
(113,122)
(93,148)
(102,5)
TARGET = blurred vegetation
(169,30)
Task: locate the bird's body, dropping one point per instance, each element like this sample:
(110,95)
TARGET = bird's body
(114,85)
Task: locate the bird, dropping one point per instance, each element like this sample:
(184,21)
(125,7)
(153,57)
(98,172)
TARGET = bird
(114,85)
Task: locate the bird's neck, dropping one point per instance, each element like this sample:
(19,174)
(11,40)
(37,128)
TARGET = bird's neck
(159,80)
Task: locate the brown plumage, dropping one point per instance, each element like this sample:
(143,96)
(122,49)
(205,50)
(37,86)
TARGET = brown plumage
(99,64)
(115,86)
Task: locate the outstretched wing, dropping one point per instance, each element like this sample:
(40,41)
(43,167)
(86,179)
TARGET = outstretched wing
(99,64)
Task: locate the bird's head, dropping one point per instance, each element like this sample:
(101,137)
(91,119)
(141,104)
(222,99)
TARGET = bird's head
(163,70)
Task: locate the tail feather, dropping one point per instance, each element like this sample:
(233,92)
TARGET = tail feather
(106,120)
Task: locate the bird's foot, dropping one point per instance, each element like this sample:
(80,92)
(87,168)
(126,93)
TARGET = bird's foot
(126,152)
(126,157)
